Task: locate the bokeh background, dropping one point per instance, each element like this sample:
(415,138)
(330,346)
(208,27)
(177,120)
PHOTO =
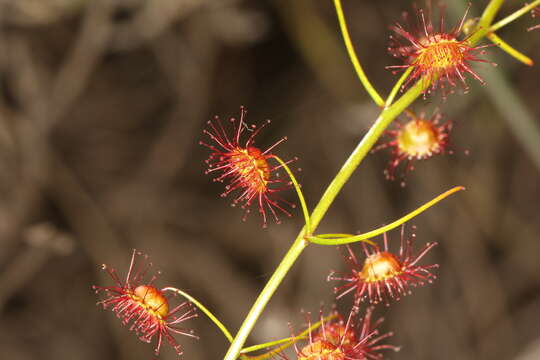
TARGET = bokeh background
(102,107)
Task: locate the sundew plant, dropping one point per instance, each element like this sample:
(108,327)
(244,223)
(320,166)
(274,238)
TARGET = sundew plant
(436,62)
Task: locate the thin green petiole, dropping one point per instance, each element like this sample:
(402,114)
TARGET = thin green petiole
(507,20)
(218,323)
(354,59)
(298,191)
(397,87)
(270,344)
(362,237)
(338,235)
(509,49)
(287,341)
(324,238)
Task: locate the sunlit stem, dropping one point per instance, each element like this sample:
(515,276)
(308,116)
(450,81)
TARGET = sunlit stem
(287,341)
(509,49)
(397,86)
(216,321)
(298,192)
(323,240)
(507,20)
(354,59)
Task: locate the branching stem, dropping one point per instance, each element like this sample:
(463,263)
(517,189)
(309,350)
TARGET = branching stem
(385,118)
(507,20)
(342,239)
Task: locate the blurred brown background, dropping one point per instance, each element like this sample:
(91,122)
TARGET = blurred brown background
(102,107)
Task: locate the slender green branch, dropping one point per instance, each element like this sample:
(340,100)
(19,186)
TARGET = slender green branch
(328,240)
(269,344)
(363,148)
(354,59)
(507,20)
(337,235)
(359,153)
(362,237)
(287,341)
(397,86)
(320,210)
(216,321)
(298,192)
(489,13)
(509,49)
(482,28)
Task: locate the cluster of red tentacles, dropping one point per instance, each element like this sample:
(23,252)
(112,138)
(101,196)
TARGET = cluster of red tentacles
(245,167)
(138,302)
(339,339)
(383,275)
(439,58)
(418,138)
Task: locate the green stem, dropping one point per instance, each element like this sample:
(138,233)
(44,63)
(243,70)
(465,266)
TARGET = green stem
(218,323)
(334,235)
(363,148)
(298,192)
(341,240)
(325,239)
(269,344)
(385,118)
(507,20)
(489,13)
(329,241)
(397,86)
(354,59)
(509,49)
(485,21)
(289,340)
